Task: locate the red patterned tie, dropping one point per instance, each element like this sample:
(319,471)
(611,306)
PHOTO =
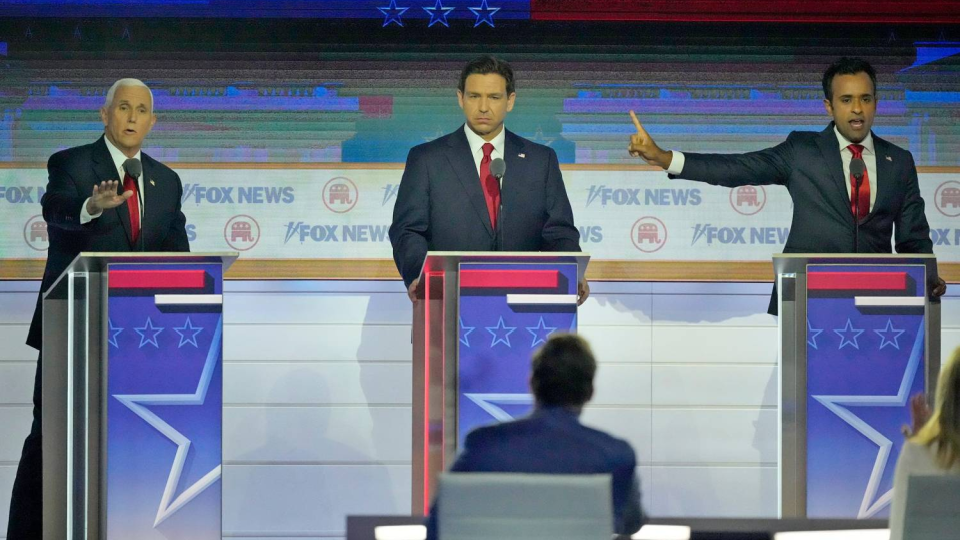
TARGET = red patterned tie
(857,151)
(490,185)
(133,205)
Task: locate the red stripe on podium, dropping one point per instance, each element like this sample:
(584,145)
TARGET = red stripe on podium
(857,281)
(509,279)
(157,279)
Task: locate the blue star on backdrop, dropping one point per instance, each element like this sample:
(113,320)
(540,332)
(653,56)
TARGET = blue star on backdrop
(438,14)
(484,14)
(465,332)
(812,334)
(114,332)
(392,13)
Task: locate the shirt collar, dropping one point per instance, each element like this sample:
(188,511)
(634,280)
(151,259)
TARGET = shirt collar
(476,142)
(844,143)
(119,157)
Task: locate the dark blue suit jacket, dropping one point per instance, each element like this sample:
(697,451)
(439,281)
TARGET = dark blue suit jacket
(72,175)
(808,164)
(553,441)
(441,207)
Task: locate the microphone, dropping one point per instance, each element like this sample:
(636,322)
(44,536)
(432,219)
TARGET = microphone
(857,170)
(134,168)
(498,168)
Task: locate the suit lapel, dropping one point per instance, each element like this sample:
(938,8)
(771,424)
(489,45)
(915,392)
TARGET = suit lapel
(106,169)
(512,150)
(885,178)
(827,142)
(461,159)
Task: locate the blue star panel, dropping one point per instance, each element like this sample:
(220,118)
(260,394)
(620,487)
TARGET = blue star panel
(164,412)
(863,364)
(497,341)
(394,12)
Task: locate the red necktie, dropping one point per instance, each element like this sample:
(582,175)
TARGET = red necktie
(133,205)
(857,151)
(490,185)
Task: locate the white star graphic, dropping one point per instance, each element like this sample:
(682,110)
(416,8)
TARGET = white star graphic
(136,403)
(150,329)
(884,340)
(114,332)
(188,333)
(540,332)
(489,403)
(812,334)
(495,331)
(834,404)
(844,335)
(465,335)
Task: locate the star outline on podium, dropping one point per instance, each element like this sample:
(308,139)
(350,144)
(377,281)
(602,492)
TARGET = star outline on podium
(835,405)
(138,402)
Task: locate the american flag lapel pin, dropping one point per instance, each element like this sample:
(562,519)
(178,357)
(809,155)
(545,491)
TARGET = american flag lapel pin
(521,156)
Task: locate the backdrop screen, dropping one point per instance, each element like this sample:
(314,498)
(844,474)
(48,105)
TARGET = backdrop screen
(292,120)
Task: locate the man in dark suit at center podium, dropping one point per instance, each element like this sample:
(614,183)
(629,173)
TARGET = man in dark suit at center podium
(450,197)
(91,204)
(816,170)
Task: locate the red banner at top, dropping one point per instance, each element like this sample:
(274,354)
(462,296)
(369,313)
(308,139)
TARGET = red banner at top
(804,11)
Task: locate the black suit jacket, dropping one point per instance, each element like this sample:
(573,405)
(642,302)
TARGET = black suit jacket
(551,440)
(441,207)
(808,164)
(72,175)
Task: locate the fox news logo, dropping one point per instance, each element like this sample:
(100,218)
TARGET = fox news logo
(643,197)
(648,234)
(591,234)
(748,200)
(739,235)
(20,194)
(335,233)
(947,199)
(199,194)
(241,232)
(340,195)
(389,193)
(945,237)
(35,233)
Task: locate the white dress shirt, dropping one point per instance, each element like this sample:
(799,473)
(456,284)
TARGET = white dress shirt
(869,159)
(118,159)
(476,143)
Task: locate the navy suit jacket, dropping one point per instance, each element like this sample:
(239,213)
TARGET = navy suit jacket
(440,205)
(552,440)
(808,164)
(72,175)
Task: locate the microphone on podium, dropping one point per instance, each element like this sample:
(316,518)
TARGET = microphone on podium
(498,168)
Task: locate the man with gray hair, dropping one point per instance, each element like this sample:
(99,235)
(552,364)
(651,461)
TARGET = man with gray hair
(104,196)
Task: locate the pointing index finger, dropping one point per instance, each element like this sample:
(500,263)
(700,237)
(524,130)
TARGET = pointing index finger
(636,124)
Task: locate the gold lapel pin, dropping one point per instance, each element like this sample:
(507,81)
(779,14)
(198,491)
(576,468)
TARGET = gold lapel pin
(889,158)
(152,183)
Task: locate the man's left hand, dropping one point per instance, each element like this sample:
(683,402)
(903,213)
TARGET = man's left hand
(583,291)
(939,289)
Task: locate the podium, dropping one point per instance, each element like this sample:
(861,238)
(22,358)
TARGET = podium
(478,318)
(859,336)
(132,397)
